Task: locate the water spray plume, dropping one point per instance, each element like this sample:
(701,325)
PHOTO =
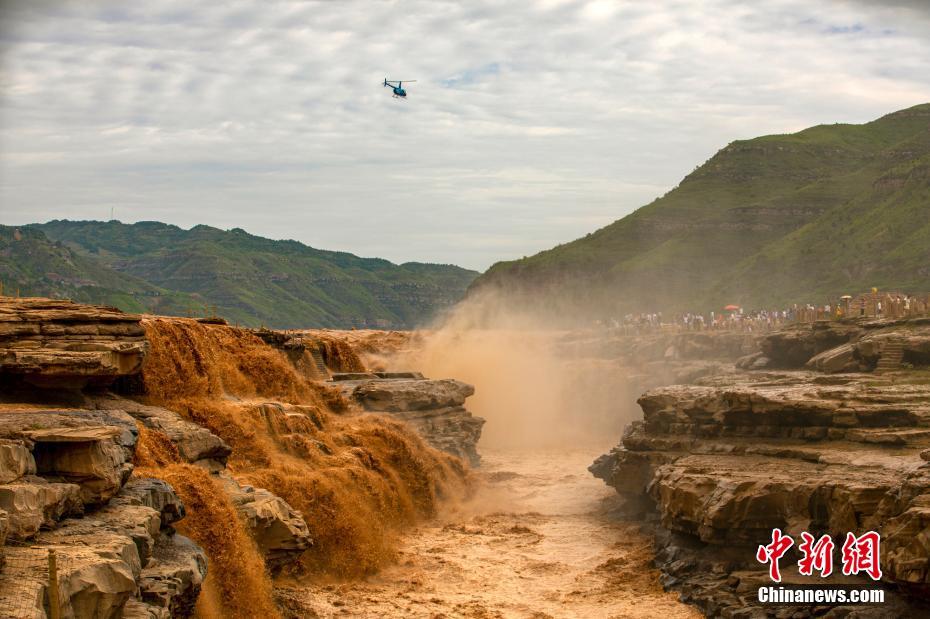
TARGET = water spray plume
(533,389)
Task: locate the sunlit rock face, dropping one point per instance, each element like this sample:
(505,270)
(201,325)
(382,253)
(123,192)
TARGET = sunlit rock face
(55,343)
(718,464)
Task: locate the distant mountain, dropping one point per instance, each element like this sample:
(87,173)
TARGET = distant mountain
(31,264)
(151,266)
(765,222)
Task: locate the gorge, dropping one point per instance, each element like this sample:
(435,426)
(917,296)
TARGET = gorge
(180,467)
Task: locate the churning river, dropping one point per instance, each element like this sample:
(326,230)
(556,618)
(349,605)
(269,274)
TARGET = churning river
(535,541)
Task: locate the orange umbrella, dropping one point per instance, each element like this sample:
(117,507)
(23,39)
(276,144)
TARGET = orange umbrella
(731,308)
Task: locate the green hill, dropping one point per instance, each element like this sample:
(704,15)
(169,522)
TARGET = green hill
(151,266)
(765,222)
(32,265)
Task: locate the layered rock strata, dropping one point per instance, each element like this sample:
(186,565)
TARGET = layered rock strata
(195,444)
(435,408)
(67,489)
(66,479)
(720,464)
(848,346)
(279,530)
(54,343)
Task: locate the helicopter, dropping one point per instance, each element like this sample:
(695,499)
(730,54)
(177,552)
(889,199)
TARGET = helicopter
(399,91)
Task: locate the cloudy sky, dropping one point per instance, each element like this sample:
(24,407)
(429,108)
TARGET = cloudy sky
(530,123)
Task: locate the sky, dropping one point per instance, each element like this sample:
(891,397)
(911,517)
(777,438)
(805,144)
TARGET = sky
(530,123)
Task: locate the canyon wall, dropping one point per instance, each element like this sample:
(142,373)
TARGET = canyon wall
(718,464)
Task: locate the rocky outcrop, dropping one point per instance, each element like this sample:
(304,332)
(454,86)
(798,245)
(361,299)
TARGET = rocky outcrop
(53,343)
(15,461)
(277,528)
(91,449)
(435,408)
(105,558)
(402,395)
(66,493)
(195,444)
(843,358)
(171,582)
(849,346)
(719,464)
(106,543)
(793,347)
(32,503)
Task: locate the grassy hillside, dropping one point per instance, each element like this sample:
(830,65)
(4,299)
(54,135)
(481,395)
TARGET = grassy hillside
(767,221)
(33,265)
(250,280)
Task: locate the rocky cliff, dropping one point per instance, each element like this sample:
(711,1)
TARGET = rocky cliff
(67,487)
(717,465)
(142,451)
(56,343)
(848,346)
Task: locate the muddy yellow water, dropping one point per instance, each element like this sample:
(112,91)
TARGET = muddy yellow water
(535,541)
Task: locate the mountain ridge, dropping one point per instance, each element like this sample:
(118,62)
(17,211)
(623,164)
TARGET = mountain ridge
(247,278)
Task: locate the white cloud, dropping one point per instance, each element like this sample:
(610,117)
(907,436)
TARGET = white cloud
(529,125)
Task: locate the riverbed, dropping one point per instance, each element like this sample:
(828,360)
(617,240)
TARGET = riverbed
(536,540)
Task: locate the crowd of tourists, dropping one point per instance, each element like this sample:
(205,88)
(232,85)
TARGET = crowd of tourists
(874,304)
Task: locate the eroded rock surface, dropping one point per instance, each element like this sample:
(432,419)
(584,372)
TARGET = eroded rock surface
(32,503)
(849,346)
(171,581)
(91,449)
(721,463)
(50,342)
(195,444)
(279,530)
(435,408)
(66,489)
(15,460)
(65,473)
(104,557)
